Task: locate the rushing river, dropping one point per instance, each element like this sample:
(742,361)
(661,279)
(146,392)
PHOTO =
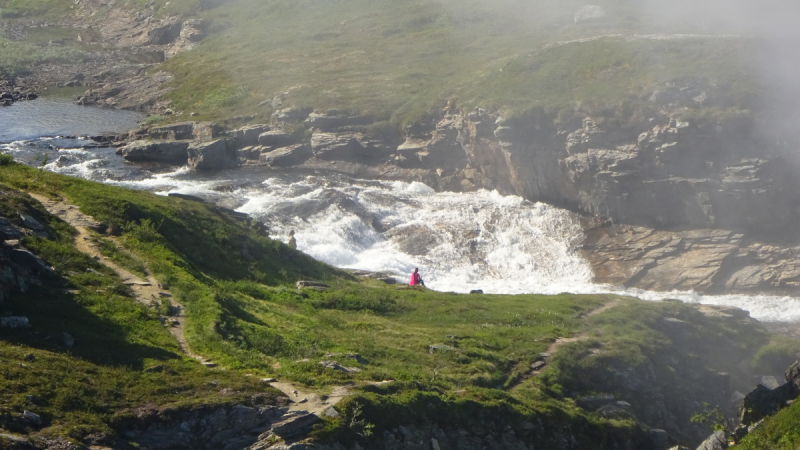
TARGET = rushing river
(460,242)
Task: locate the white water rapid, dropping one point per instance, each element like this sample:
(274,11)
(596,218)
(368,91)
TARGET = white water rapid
(460,242)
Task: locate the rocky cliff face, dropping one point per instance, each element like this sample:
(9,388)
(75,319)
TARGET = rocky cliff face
(663,173)
(702,260)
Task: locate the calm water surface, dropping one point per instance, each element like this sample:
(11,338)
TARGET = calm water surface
(53,116)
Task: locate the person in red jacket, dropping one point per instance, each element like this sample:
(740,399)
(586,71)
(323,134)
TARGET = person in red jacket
(416,279)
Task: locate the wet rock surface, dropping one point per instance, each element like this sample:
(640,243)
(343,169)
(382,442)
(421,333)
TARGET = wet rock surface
(703,260)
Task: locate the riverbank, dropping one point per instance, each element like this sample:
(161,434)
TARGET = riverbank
(520,359)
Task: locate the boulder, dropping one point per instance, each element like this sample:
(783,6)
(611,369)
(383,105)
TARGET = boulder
(287,156)
(355,356)
(275,138)
(30,222)
(206,131)
(164,33)
(32,418)
(659,439)
(248,136)
(15,441)
(9,231)
(193,30)
(440,348)
(716,441)
(24,258)
(291,114)
(294,425)
(331,120)
(14,322)
(174,152)
(336,366)
(589,13)
(175,131)
(793,374)
(338,146)
(311,284)
(762,402)
(212,155)
(252,153)
(68,340)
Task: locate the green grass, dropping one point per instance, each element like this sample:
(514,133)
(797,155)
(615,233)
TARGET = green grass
(399,61)
(779,432)
(19,58)
(38,8)
(244,312)
(86,389)
(123,258)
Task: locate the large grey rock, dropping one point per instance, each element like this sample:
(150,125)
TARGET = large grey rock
(291,114)
(330,121)
(212,155)
(295,425)
(32,418)
(175,131)
(336,366)
(9,231)
(793,374)
(762,402)
(287,156)
(15,441)
(248,136)
(716,441)
(30,222)
(310,284)
(275,138)
(174,152)
(27,260)
(14,322)
(338,146)
(164,33)
(193,30)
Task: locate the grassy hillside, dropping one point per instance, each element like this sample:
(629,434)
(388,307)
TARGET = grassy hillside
(396,61)
(244,312)
(779,432)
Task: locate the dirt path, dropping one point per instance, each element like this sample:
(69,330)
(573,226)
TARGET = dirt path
(311,402)
(541,364)
(145,290)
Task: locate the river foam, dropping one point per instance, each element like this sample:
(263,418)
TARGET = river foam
(459,241)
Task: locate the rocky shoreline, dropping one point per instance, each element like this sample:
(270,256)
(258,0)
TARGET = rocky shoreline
(10,93)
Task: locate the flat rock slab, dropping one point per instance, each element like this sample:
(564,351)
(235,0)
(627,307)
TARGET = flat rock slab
(294,425)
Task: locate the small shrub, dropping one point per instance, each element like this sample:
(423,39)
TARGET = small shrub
(144,231)
(6,160)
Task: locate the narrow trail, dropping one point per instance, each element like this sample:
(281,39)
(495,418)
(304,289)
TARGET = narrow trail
(311,402)
(543,362)
(145,291)
(149,289)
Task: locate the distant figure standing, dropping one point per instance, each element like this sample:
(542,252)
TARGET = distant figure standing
(292,241)
(416,279)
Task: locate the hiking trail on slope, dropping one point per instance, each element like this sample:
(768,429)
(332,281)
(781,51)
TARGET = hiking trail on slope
(145,291)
